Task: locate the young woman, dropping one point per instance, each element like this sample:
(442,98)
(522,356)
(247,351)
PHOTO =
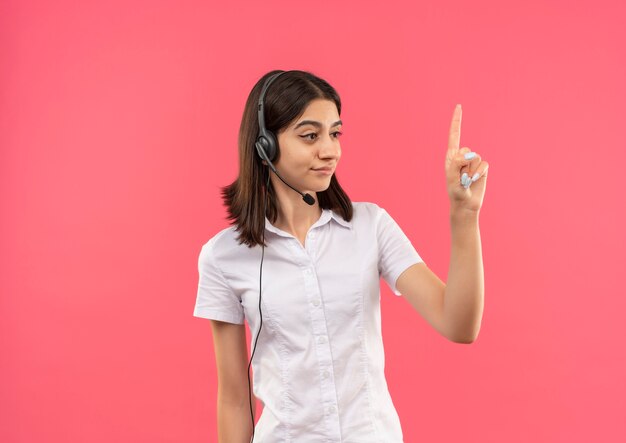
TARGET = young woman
(306,275)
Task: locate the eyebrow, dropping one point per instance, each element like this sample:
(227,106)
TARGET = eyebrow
(316,124)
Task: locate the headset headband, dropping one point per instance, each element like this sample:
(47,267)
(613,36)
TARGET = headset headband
(268,82)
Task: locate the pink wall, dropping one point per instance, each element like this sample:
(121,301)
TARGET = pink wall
(118,123)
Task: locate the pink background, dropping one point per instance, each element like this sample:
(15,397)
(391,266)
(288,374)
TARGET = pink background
(118,124)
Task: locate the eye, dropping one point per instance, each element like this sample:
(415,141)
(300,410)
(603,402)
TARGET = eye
(312,136)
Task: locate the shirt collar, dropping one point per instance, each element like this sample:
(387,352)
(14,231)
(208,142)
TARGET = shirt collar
(327,215)
(339,219)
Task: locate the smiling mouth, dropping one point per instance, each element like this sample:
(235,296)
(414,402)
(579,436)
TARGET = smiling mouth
(325,169)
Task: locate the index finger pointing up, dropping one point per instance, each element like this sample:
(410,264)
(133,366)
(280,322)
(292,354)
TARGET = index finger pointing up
(455,130)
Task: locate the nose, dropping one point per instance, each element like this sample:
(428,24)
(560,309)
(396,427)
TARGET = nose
(330,148)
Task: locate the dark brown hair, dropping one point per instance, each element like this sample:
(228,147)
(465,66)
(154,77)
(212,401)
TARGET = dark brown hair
(285,101)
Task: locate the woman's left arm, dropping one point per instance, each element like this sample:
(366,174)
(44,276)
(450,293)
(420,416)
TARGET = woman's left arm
(455,309)
(466,179)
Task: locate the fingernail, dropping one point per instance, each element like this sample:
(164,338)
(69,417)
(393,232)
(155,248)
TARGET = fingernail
(475,177)
(464,180)
(470,155)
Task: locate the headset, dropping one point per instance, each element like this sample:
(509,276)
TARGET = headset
(267,148)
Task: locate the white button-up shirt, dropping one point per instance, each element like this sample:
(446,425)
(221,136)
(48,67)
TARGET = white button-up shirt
(319,362)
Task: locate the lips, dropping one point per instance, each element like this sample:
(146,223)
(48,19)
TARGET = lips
(325,169)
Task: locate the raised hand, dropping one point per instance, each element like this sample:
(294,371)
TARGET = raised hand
(466,172)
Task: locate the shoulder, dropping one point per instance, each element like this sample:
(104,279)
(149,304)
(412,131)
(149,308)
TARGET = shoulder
(370,217)
(367,211)
(222,243)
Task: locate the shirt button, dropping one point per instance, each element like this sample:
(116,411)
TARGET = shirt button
(332,409)
(321,339)
(316,302)
(307,271)
(325,374)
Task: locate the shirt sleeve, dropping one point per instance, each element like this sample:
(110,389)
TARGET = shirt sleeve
(395,251)
(215,299)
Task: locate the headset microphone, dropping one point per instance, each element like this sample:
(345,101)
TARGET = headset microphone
(306,197)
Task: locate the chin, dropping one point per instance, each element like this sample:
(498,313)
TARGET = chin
(321,185)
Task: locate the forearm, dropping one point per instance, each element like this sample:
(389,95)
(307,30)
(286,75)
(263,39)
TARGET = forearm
(464,294)
(234,423)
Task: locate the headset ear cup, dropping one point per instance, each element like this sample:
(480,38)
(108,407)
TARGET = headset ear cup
(272,145)
(262,148)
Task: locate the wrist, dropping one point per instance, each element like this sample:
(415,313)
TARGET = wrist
(457,213)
